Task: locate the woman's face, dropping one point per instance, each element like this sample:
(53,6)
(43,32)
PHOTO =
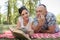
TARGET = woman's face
(25,14)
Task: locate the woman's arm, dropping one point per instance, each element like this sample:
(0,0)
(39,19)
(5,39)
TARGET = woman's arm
(18,24)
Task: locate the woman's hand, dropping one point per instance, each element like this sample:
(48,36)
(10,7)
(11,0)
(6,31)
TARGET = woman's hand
(30,32)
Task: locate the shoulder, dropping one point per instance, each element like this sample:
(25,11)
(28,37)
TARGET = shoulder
(50,17)
(30,19)
(35,22)
(19,18)
(35,19)
(49,14)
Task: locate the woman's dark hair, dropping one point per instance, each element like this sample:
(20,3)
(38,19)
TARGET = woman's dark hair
(21,9)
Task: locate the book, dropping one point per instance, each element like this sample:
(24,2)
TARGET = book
(19,34)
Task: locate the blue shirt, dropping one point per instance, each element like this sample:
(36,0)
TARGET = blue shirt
(50,20)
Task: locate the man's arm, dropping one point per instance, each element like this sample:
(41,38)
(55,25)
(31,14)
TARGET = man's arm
(35,28)
(51,29)
(40,21)
(51,24)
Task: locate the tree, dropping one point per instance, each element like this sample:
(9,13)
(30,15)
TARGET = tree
(0,18)
(58,18)
(15,13)
(31,5)
(9,11)
(12,10)
(0,15)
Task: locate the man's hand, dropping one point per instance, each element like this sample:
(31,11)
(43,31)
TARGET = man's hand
(41,20)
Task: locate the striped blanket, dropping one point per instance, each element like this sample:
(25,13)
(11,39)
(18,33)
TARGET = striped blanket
(8,34)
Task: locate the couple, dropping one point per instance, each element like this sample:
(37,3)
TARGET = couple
(44,22)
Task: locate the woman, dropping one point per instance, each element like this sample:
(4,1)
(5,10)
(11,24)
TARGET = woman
(24,21)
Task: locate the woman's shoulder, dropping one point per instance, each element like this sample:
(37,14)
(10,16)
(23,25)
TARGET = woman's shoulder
(20,18)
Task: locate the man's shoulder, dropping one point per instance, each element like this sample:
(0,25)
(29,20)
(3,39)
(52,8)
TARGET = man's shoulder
(50,14)
(35,18)
(31,19)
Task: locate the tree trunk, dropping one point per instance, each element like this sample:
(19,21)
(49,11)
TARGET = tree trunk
(9,12)
(0,18)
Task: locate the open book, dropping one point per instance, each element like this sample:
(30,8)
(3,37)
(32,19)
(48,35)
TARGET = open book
(19,34)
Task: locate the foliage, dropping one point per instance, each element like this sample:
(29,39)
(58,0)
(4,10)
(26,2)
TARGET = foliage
(0,18)
(58,18)
(13,16)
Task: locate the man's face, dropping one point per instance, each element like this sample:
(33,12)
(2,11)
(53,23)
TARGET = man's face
(40,10)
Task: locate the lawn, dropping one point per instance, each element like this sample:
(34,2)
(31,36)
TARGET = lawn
(6,27)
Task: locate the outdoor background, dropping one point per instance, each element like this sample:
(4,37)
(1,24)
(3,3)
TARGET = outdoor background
(9,10)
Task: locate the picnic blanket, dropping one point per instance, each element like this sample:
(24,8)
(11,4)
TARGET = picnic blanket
(45,35)
(8,34)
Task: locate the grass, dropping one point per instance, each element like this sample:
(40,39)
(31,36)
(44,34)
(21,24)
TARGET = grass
(6,27)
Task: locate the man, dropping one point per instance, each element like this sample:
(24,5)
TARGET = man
(44,21)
